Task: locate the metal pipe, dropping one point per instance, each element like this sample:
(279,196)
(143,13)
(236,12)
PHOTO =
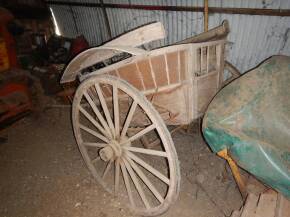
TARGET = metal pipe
(245,11)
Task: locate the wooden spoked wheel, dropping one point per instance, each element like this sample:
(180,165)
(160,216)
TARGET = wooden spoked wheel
(105,110)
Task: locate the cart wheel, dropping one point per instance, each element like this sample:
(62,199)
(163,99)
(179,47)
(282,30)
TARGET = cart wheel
(148,178)
(234,72)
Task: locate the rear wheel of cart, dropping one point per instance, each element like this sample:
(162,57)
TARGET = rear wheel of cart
(106,114)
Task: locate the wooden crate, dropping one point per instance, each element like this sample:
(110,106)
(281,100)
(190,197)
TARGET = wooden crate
(268,204)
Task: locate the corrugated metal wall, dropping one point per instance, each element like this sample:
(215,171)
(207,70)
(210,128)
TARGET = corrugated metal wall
(252,38)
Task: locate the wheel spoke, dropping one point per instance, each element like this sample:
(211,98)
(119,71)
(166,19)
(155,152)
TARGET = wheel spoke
(146,180)
(137,184)
(97,112)
(148,167)
(105,108)
(129,118)
(146,151)
(117,175)
(127,183)
(116,111)
(141,133)
(94,133)
(93,121)
(108,167)
(94,144)
(105,117)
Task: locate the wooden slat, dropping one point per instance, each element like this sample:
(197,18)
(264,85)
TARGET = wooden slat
(183,65)
(267,205)
(178,66)
(201,59)
(194,54)
(198,61)
(141,77)
(207,59)
(159,69)
(145,70)
(250,206)
(166,69)
(218,63)
(172,61)
(283,207)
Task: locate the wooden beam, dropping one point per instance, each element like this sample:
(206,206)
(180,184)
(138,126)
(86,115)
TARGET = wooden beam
(244,11)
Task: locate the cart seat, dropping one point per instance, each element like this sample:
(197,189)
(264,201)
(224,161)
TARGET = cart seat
(251,119)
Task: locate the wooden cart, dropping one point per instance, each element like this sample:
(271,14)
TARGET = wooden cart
(126,98)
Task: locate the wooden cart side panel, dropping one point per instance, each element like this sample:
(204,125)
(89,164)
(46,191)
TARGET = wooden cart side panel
(169,76)
(207,69)
(133,59)
(171,105)
(156,71)
(206,89)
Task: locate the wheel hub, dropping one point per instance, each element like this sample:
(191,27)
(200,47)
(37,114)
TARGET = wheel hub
(111,151)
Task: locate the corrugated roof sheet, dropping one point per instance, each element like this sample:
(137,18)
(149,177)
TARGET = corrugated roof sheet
(252,38)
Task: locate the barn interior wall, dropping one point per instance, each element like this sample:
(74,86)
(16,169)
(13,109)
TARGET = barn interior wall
(252,39)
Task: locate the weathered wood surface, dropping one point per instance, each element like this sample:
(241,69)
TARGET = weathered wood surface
(268,204)
(217,33)
(140,36)
(179,80)
(283,207)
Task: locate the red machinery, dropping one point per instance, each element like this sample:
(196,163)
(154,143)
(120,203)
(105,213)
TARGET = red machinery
(14,95)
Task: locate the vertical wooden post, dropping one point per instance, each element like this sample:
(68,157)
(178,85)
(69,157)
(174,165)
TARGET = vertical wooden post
(205,15)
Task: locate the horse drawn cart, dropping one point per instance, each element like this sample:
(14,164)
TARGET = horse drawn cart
(128,95)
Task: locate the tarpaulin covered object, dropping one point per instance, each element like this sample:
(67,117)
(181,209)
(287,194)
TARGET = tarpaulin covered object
(251,118)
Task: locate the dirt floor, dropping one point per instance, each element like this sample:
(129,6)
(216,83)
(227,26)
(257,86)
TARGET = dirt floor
(43,175)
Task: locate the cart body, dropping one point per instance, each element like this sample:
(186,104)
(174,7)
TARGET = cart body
(179,80)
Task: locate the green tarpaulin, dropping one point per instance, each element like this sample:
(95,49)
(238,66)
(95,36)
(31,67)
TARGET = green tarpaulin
(251,118)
